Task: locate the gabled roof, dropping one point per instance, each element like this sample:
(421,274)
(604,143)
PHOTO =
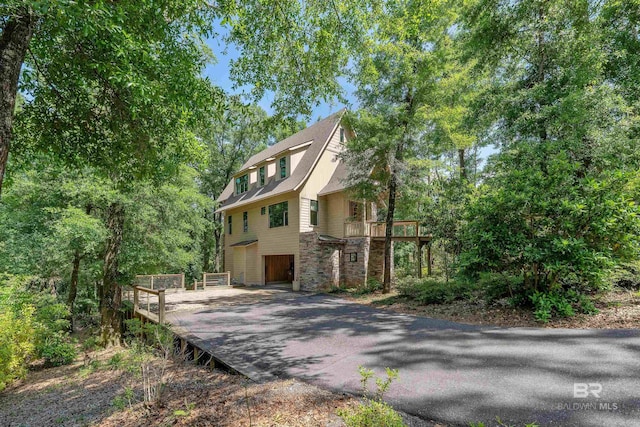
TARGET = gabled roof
(317,135)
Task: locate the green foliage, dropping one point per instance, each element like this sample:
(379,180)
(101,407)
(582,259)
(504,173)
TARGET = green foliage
(559,303)
(32,324)
(372,285)
(148,336)
(626,275)
(495,286)
(126,398)
(559,205)
(17,331)
(434,291)
(57,349)
(374,412)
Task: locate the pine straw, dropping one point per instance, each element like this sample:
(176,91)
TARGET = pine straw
(619,309)
(77,395)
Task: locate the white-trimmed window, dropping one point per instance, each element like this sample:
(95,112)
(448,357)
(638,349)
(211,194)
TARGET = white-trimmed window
(242,184)
(313,212)
(279,215)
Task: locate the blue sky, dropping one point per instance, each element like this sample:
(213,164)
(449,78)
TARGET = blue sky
(218,73)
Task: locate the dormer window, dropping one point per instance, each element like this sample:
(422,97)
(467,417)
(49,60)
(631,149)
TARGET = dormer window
(242,184)
(283,167)
(261,176)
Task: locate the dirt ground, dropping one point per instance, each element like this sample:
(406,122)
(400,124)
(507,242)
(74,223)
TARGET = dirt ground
(99,391)
(618,310)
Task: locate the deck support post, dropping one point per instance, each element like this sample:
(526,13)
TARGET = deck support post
(419,246)
(429,259)
(136,300)
(161,306)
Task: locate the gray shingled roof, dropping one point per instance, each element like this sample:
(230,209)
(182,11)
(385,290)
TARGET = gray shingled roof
(337,181)
(244,243)
(319,133)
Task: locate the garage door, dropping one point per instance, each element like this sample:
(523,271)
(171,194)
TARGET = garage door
(278,268)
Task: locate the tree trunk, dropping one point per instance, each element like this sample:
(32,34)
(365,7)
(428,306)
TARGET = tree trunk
(73,287)
(110,293)
(463,164)
(14,42)
(75,272)
(388,233)
(217,234)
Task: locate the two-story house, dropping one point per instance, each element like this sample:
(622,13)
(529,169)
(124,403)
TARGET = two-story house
(289,219)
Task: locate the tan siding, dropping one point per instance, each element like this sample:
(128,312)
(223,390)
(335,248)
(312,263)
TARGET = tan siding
(305,224)
(252,263)
(334,144)
(334,213)
(238,274)
(271,170)
(271,241)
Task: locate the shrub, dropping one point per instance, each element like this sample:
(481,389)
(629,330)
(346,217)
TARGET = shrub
(433,291)
(560,303)
(374,411)
(32,324)
(57,350)
(627,275)
(372,285)
(17,338)
(495,286)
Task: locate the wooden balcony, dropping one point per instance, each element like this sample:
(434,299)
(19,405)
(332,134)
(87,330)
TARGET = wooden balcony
(402,230)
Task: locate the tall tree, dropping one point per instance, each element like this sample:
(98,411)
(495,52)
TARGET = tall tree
(115,86)
(395,74)
(557,208)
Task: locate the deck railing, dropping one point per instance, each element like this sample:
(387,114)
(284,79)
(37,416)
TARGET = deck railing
(149,303)
(212,279)
(161,281)
(378,229)
(356,229)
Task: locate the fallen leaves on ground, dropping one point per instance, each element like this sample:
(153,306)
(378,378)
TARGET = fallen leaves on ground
(617,310)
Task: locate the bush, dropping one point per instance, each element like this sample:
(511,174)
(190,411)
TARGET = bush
(495,286)
(57,350)
(374,411)
(627,275)
(560,303)
(17,343)
(370,287)
(433,291)
(32,324)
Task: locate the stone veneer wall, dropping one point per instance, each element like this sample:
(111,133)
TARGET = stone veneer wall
(319,263)
(355,273)
(324,264)
(376,259)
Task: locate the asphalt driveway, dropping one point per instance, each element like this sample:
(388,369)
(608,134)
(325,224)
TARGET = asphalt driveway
(449,372)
